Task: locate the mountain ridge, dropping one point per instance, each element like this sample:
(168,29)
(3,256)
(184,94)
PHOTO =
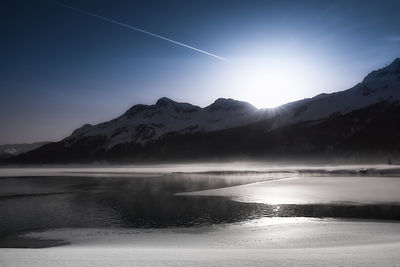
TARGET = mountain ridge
(144,123)
(10,150)
(142,126)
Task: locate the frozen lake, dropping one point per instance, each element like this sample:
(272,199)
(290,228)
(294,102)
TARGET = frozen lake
(34,200)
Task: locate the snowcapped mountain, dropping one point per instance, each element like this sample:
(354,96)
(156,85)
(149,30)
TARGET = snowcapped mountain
(142,124)
(145,123)
(380,85)
(362,119)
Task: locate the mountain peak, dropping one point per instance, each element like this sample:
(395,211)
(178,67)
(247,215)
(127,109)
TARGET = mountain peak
(394,66)
(164,101)
(223,101)
(390,70)
(228,104)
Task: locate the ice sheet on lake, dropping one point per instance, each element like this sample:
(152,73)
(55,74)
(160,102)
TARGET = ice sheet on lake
(309,190)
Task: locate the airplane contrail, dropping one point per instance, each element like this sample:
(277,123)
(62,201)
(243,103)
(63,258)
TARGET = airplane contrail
(137,29)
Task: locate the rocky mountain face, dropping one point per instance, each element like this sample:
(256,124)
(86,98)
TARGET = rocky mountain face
(362,120)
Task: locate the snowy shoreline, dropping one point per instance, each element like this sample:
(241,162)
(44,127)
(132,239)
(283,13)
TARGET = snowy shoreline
(263,242)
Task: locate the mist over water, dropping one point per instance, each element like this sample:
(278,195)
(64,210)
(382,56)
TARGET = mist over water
(35,203)
(115,198)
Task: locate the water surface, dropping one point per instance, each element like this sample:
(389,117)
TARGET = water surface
(35,203)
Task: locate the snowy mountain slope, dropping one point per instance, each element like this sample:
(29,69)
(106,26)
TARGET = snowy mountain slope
(144,123)
(368,134)
(379,85)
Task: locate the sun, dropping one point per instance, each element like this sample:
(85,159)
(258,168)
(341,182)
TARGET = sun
(273,80)
(267,87)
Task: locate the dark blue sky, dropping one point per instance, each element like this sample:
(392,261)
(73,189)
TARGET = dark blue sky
(61,68)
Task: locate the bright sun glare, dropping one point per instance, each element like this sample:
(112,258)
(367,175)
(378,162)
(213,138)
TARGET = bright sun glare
(272,80)
(270,85)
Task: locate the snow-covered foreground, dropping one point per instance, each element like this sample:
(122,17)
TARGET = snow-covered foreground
(264,242)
